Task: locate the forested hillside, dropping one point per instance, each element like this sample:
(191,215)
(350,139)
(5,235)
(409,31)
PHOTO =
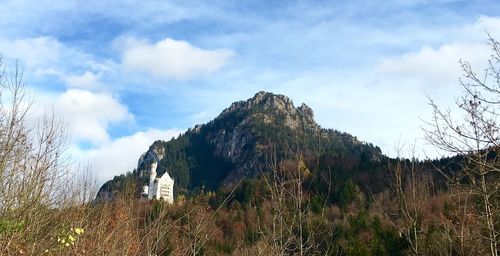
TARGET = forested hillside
(265,177)
(248,137)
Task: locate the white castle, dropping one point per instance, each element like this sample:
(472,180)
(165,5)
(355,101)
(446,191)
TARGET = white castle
(159,187)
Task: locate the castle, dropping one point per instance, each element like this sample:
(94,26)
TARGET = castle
(159,187)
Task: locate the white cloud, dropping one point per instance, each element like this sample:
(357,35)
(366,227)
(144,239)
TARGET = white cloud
(87,80)
(477,31)
(47,56)
(172,59)
(121,155)
(432,70)
(436,65)
(89,114)
(33,52)
(439,65)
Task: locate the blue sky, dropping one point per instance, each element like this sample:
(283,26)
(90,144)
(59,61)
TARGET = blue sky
(125,73)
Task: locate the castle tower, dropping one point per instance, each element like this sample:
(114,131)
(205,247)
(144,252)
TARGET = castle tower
(152,175)
(153,182)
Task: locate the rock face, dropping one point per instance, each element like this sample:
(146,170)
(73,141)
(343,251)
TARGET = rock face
(155,153)
(244,142)
(274,109)
(240,141)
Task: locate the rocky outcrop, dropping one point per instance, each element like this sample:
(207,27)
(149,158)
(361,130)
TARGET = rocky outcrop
(268,107)
(155,153)
(243,143)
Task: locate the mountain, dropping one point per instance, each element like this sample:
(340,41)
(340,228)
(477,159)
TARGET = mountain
(245,139)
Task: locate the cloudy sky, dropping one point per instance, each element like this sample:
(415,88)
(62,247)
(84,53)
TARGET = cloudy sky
(125,73)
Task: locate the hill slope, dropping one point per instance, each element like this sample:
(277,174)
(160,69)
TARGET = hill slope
(242,142)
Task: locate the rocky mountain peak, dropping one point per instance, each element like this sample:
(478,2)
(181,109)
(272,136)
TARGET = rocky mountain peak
(270,101)
(269,108)
(237,144)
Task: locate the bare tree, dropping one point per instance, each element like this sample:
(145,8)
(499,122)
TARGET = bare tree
(409,186)
(475,135)
(291,225)
(33,166)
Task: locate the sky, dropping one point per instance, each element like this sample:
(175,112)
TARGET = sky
(123,74)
